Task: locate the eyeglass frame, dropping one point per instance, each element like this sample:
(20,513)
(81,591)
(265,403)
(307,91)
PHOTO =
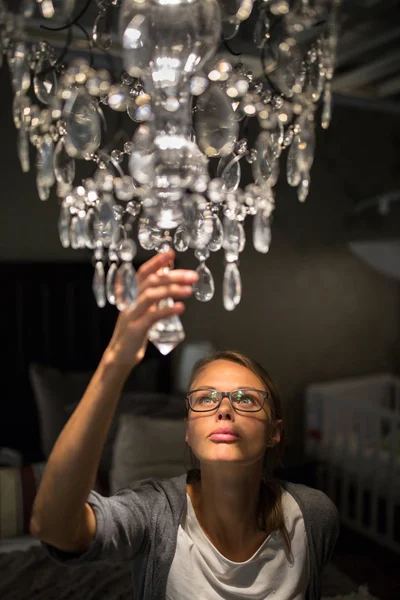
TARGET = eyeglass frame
(266,395)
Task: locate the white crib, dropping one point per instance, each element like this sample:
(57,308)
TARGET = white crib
(353,431)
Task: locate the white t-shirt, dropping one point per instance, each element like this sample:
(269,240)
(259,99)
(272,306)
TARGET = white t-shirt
(199,570)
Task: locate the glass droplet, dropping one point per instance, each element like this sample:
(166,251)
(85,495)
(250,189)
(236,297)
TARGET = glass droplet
(204,287)
(262,229)
(20,72)
(118,98)
(63,225)
(166,334)
(125,287)
(304,187)
(45,81)
(105,223)
(23,149)
(127,250)
(181,239)
(63,164)
(82,124)
(232,286)
(99,284)
(229,171)
(292,166)
(217,234)
(44,163)
(110,282)
(214,124)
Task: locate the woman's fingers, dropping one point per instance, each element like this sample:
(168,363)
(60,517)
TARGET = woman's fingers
(154,264)
(156,314)
(178,276)
(151,296)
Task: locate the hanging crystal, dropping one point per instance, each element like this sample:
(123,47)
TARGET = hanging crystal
(231,239)
(149,235)
(110,282)
(200,230)
(99,284)
(204,287)
(229,171)
(23,149)
(165,43)
(82,124)
(217,235)
(315,74)
(63,164)
(262,229)
(242,237)
(44,81)
(261,29)
(306,144)
(101,31)
(167,333)
(77,232)
(181,239)
(293,170)
(90,228)
(304,186)
(327,106)
(214,125)
(63,225)
(125,286)
(20,103)
(141,162)
(20,73)
(232,286)
(273,178)
(105,224)
(44,165)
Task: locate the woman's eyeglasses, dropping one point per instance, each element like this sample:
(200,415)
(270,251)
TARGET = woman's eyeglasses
(244,399)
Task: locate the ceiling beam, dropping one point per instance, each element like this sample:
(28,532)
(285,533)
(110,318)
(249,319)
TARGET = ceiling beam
(391,87)
(366,74)
(360,47)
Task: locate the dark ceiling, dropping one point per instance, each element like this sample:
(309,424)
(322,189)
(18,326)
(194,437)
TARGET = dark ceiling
(368,59)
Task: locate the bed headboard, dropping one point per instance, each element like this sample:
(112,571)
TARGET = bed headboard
(49,316)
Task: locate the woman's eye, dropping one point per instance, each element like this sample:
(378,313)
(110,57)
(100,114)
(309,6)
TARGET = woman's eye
(207,397)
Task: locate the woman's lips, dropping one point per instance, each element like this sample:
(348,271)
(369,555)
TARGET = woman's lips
(224,437)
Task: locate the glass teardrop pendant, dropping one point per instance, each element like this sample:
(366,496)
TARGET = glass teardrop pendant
(232,286)
(204,287)
(167,333)
(98,284)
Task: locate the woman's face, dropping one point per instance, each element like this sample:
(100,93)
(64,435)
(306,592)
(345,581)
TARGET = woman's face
(254,429)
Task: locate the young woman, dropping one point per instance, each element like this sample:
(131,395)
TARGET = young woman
(225,530)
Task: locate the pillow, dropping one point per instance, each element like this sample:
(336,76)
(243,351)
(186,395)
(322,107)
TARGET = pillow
(18,487)
(57,394)
(147,447)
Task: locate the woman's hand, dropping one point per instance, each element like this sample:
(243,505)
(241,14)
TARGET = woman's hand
(129,341)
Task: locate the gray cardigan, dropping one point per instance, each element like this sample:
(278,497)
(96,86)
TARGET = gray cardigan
(140,525)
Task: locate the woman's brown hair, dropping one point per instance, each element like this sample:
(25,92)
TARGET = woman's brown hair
(270,513)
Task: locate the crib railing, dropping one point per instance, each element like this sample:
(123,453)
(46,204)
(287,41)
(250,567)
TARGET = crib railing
(353,431)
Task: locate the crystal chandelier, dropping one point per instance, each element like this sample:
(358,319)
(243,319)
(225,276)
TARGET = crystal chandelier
(177,182)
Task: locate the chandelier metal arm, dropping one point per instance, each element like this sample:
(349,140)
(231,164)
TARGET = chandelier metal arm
(75,20)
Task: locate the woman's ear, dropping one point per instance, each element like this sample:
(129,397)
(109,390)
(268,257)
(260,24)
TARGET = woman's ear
(276,434)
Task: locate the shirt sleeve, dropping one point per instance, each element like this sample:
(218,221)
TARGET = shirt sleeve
(330,524)
(120,530)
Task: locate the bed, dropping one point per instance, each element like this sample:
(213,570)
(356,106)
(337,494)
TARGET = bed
(55,334)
